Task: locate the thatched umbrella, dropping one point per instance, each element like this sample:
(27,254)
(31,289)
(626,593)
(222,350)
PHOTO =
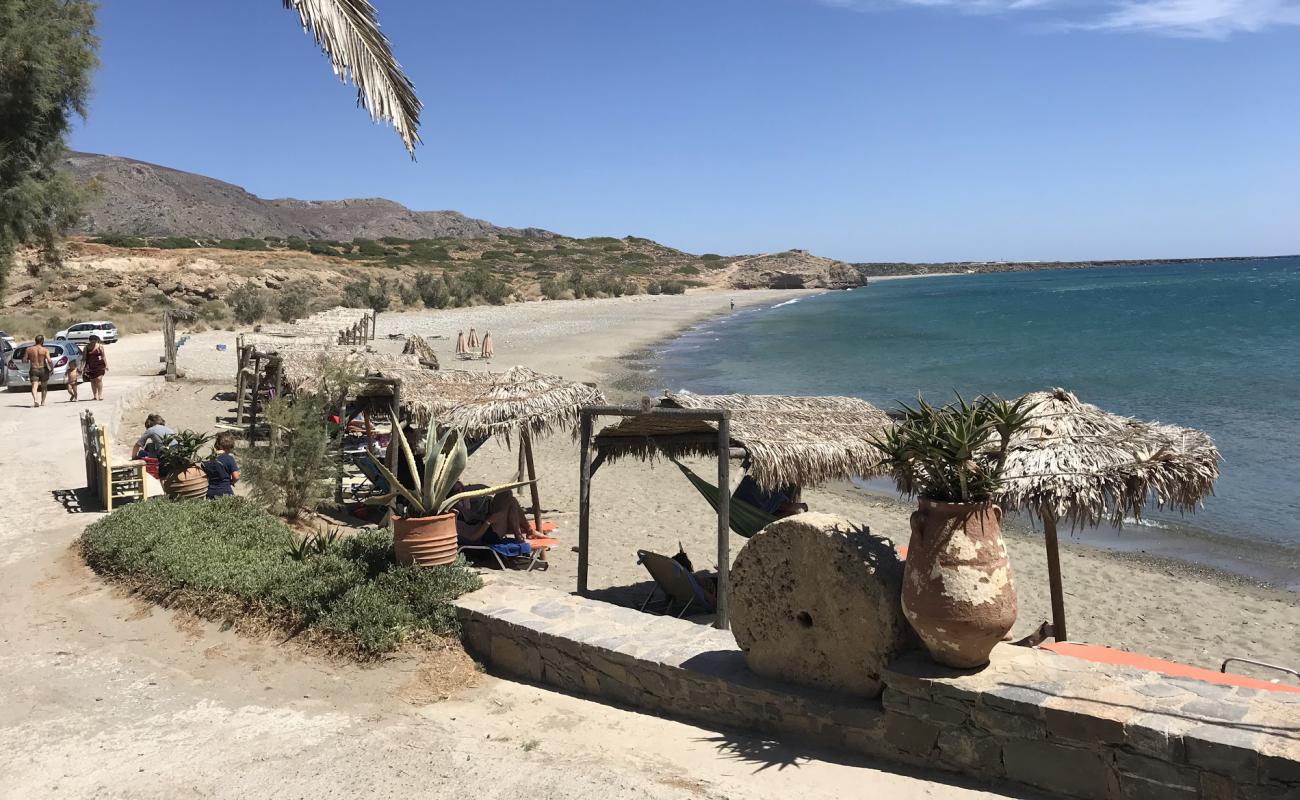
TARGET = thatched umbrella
(460,343)
(472,341)
(487,347)
(1076,462)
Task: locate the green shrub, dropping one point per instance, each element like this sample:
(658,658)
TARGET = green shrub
(232,558)
(688,269)
(248,303)
(176,242)
(432,290)
(363,294)
(118,240)
(293,475)
(577,284)
(552,289)
(654,287)
(321,249)
(674,287)
(295,243)
(245,243)
(710,257)
(292,303)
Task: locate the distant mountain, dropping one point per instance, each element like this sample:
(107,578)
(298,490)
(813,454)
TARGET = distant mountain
(141,199)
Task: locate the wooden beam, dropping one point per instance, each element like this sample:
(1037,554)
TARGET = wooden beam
(1054,577)
(720,620)
(584,501)
(526,444)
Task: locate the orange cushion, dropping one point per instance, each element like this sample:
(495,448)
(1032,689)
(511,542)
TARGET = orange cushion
(1107,655)
(547,526)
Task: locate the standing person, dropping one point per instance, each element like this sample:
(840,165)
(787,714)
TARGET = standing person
(72,377)
(96,366)
(39,368)
(733,305)
(222,469)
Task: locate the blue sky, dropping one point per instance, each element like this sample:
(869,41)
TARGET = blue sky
(866,130)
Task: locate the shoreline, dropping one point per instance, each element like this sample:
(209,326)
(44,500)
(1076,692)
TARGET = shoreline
(634,374)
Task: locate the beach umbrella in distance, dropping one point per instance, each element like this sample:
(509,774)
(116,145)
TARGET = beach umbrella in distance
(1075,462)
(461,349)
(487,346)
(473,339)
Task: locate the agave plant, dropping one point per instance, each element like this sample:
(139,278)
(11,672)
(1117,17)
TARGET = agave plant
(954,453)
(180,452)
(444,461)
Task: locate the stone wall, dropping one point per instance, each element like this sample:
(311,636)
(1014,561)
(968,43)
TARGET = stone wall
(1031,717)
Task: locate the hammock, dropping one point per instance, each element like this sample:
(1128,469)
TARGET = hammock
(745,519)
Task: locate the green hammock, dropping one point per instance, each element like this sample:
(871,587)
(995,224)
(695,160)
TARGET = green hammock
(745,519)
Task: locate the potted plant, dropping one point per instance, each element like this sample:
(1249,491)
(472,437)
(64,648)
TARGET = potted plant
(178,465)
(424,527)
(957,588)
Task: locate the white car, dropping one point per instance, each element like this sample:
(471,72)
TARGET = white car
(82,331)
(6,339)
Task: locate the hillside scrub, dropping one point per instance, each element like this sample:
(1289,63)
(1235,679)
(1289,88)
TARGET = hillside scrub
(231,561)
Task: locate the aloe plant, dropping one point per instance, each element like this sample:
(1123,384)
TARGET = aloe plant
(954,453)
(444,461)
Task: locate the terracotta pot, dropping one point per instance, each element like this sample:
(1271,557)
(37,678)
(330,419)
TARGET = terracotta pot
(425,541)
(189,483)
(957,590)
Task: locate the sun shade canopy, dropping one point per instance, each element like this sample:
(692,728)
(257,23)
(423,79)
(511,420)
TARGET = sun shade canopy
(799,441)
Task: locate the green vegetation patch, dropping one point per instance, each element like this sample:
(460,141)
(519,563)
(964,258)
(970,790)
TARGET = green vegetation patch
(228,559)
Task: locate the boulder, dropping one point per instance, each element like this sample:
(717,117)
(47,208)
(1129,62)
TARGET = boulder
(816,600)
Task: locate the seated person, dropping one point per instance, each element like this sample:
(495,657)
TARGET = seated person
(779,503)
(156,434)
(488,520)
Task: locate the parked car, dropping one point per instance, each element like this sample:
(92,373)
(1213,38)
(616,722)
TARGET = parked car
(82,331)
(6,339)
(61,353)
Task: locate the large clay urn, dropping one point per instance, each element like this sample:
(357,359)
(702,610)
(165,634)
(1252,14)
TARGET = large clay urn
(425,541)
(189,483)
(957,590)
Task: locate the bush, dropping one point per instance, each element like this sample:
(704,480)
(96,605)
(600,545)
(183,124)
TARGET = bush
(293,474)
(432,290)
(292,302)
(577,284)
(118,240)
(231,558)
(364,294)
(408,292)
(674,287)
(175,243)
(245,243)
(710,257)
(321,249)
(687,270)
(654,287)
(552,289)
(248,303)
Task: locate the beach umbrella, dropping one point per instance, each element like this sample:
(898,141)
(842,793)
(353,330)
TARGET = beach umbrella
(1075,462)
(473,339)
(460,343)
(487,346)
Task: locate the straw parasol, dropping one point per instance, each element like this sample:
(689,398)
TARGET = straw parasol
(472,341)
(1076,462)
(799,441)
(460,343)
(487,346)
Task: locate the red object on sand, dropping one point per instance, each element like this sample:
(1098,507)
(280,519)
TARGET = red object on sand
(151,466)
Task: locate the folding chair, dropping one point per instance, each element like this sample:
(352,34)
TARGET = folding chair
(677,583)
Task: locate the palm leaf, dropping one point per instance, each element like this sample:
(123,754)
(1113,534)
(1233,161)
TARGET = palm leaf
(397,484)
(348,33)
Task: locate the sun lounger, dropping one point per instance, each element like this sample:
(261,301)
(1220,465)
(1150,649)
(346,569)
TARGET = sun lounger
(676,582)
(532,549)
(375,483)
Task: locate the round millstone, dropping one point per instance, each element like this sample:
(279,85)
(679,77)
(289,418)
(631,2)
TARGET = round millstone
(816,600)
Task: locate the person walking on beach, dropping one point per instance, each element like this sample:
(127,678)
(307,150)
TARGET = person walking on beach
(733,305)
(222,469)
(72,379)
(96,366)
(39,368)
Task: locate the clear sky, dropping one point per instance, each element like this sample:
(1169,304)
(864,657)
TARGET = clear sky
(866,130)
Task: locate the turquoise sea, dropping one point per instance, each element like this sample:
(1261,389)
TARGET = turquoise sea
(1209,345)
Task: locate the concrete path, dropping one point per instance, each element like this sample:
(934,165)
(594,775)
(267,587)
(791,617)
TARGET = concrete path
(106,697)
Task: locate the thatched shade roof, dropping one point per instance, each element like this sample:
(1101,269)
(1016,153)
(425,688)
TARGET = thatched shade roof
(321,323)
(485,404)
(1080,463)
(798,441)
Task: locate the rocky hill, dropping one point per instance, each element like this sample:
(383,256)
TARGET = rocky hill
(140,199)
(795,269)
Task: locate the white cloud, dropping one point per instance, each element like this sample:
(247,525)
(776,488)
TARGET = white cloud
(1212,19)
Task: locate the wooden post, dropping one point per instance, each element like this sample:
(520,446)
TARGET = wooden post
(1054,577)
(343,430)
(724,520)
(240,385)
(393,446)
(257,397)
(584,503)
(374,322)
(527,446)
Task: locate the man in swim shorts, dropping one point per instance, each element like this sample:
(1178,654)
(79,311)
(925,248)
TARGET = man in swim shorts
(39,368)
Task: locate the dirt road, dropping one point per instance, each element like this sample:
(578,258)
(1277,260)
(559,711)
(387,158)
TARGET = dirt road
(105,697)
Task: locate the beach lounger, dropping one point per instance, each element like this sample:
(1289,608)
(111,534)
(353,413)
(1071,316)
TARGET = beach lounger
(375,484)
(676,582)
(1108,655)
(533,549)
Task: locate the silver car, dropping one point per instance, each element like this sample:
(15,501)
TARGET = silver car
(61,353)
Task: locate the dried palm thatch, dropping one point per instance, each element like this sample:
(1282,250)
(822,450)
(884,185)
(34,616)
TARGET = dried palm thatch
(419,347)
(1077,462)
(486,404)
(798,441)
(323,323)
(348,33)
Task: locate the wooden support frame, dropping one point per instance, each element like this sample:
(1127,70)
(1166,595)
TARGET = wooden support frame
(722,418)
(1054,577)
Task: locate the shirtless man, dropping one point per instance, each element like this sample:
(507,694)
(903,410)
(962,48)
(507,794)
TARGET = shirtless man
(39,367)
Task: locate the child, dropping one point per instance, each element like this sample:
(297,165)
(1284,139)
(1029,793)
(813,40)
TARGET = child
(222,469)
(72,379)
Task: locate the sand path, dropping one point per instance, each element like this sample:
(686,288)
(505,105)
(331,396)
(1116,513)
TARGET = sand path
(107,697)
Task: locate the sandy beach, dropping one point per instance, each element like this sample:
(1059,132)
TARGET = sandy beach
(1151,605)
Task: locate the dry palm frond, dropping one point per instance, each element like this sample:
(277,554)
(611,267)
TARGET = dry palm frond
(348,33)
(799,441)
(1077,462)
